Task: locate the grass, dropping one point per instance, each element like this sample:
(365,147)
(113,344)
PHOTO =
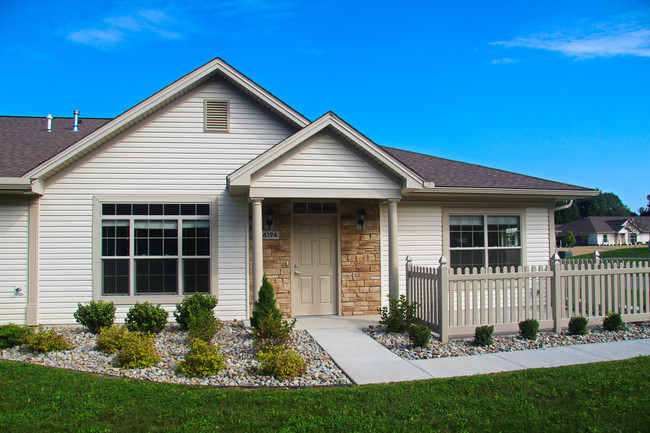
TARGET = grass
(602,397)
(640,252)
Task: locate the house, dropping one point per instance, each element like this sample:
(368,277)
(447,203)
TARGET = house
(603,230)
(213,182)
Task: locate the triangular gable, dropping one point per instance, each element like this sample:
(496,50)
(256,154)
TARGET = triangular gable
(215,68)
(369,166)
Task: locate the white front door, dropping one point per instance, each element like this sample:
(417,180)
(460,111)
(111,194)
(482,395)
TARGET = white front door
(313,267)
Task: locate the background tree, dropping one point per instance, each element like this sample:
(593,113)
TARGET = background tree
(569,239)
(605,204)
(645,211)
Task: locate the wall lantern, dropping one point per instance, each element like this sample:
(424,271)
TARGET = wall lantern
(361,219)
(269,218)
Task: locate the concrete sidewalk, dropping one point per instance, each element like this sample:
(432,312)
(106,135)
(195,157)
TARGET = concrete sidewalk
(366,361)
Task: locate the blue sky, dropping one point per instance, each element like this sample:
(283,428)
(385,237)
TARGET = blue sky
(554,89)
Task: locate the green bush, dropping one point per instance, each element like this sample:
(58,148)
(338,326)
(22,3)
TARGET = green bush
(273,332)
(483,335)
(281,362)
(203,325)
(399,315)
(613,322)
(46,341)
(203,360)
(137,351)
(193,304)
(147,318)
(96,315)
(13,335)
(528,328)
(578,325)
(419,335)
(110,340)
(265,305)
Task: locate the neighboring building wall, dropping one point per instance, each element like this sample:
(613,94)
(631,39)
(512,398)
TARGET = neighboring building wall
(13,259)
(168,155)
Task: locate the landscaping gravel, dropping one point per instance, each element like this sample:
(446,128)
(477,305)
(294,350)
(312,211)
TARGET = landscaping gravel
(236,344)
(400,344)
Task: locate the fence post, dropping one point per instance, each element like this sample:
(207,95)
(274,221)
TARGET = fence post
(443,299)
(409,297)
(556,293)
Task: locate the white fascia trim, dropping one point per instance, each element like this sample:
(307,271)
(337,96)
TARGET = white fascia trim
(152,103)
(20,184)
(242,176)
(505,191)
(319,193)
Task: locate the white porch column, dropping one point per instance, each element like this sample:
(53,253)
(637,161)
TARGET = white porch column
(258,251)
(393,250)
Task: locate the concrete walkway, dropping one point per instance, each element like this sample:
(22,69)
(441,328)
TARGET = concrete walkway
(366,361)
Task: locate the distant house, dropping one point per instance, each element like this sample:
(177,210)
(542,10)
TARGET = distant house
(600,230)
(213,182)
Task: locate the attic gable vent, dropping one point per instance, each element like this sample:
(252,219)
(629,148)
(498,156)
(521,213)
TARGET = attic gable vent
(217,116)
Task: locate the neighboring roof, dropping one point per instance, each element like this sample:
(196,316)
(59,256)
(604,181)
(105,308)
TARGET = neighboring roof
(601,224)
(24,142)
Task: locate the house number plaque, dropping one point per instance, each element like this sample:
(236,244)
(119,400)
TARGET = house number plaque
(271,234)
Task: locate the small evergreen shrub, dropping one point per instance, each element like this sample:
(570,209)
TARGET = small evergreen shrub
(483,335)
(13,335)
(137,351)
(528,329)
(578,325)
(46,341)
(202,360)
(273,332)
(147,318)
(203,325)
(399,315)
(281,362)
(613,322)
(193,304)
(419,335)
(110,340)
(96,315)
(265,305)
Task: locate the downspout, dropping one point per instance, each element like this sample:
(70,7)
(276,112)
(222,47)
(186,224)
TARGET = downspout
(564,206)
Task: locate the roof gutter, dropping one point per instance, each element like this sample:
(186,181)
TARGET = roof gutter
(557,193)
(20,185)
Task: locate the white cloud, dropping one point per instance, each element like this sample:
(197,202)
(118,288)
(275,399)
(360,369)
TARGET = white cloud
(504,60)
(97,37)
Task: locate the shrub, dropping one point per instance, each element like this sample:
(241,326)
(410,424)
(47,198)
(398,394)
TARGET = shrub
(613,322)
(483,335)
(137,351)
(528,329)
(203,325)
(147,318)
(281,362)
(110,340)
(193,304)
(578,325)
(96,315)
(273,332)
(265,304)
(13,335)
(203,359)
(399,315)
(419,335)
(46,341)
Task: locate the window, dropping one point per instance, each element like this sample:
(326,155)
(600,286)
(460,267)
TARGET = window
(217,116)
(605,239)
(314,207)
(484,241)
(633,238)
(155,249)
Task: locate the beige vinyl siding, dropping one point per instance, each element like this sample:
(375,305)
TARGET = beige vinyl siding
(325,164)
(168,155)
(420,238)
(13,259)
(537,245)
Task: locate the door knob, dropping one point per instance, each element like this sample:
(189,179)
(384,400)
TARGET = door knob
(297,272)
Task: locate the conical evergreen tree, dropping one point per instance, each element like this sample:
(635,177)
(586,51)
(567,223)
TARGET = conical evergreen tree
(266,304)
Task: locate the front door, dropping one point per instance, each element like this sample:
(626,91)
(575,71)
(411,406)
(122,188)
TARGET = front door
(313,257)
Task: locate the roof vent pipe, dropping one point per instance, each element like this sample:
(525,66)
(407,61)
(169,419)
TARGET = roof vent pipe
(75,126)
(49,123)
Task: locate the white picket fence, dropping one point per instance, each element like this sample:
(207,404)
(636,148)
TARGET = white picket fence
(454,302)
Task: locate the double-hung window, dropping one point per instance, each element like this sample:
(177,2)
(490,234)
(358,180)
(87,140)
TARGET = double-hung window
(155,249)
(477,241)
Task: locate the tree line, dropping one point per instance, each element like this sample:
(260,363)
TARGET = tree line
(605,204)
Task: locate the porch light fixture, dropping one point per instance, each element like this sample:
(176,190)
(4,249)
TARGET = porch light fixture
(361,219)
(269,218)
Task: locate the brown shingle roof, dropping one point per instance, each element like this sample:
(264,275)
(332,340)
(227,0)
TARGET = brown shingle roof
(25,143)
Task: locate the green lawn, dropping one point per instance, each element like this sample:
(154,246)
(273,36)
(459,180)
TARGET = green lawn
(640,252)
(603,397)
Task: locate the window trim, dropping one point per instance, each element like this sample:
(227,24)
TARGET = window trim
(147,199)
(485,212)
